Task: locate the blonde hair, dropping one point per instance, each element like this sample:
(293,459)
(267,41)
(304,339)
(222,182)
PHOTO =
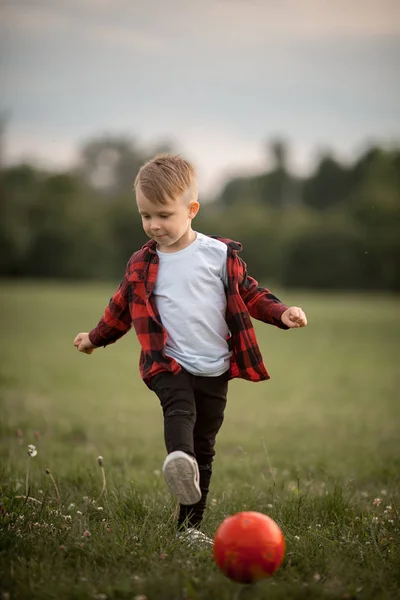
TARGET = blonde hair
(165,177)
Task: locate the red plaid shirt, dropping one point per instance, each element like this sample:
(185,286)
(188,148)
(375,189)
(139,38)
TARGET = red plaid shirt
(134,304)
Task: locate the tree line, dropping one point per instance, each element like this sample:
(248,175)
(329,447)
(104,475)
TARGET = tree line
(338,228)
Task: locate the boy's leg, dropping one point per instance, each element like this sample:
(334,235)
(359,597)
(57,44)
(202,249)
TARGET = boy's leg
(180,467)
(176,396)
(210,398)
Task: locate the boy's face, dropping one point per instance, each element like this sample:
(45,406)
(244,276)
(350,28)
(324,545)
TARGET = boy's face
(169,224)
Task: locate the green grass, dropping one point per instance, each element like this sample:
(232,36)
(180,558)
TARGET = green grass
(313,448)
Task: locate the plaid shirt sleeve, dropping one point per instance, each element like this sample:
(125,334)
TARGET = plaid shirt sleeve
(116,320)
(260,302)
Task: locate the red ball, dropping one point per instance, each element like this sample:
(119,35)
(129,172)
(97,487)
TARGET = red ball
(249,546)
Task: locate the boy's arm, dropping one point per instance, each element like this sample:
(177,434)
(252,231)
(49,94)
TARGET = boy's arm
(116,320)
(261,303)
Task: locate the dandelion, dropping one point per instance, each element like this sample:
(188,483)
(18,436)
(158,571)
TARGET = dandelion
(31,453)
(100,462)
(47,471)
(32,450)
(377,502)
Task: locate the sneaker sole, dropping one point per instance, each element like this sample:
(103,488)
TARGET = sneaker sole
(181,474)
(195,539)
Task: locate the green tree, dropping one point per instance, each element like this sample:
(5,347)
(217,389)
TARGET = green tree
(19,191)
(69,231)
(328,186)
(110,163)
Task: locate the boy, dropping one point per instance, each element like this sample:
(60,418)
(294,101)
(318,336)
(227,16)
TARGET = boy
(189,299)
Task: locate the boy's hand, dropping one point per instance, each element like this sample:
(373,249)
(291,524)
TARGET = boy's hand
(83,344)
(294,317)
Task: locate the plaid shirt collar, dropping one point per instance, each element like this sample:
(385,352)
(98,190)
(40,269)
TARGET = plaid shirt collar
(151,245)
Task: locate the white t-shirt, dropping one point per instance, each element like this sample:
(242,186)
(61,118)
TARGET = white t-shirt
(190,297)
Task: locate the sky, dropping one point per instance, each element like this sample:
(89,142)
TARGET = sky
(218,78)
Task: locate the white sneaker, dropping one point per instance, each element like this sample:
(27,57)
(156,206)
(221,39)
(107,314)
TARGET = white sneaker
(181,473)
(194,538)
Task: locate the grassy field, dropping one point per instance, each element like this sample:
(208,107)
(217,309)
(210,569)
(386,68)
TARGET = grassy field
(317,448)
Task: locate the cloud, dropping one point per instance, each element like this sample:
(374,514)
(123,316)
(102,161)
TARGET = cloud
(32,20)
(214,21)
(125,37)
(44,20)
(310,18)
(43,149)
(219,76)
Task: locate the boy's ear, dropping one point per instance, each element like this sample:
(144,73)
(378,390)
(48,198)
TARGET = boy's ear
(193,208)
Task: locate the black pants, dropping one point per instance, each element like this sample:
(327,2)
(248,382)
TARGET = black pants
(193,409)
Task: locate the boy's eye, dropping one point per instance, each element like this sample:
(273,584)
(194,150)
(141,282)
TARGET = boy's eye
(163,216)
